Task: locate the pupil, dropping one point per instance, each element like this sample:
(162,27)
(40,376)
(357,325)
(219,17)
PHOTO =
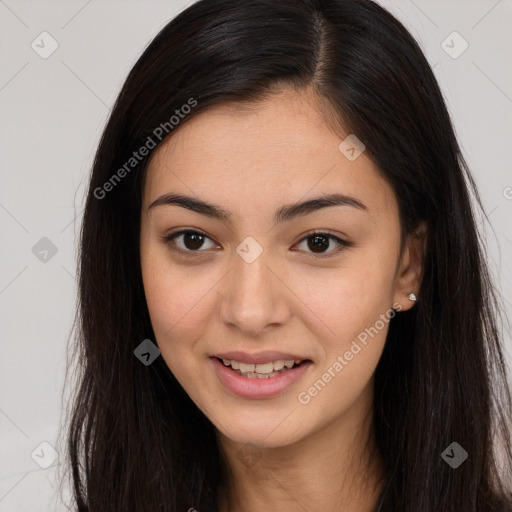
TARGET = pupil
(319,242)
(194,239)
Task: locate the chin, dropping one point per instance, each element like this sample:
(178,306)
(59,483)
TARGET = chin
(263,434)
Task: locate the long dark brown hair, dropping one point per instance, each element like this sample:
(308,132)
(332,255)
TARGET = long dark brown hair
(135,440)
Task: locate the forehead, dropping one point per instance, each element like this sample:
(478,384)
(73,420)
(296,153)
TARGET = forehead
(259,154)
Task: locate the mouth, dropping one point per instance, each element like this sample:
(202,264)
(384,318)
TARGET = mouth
(265,378)
(262,370)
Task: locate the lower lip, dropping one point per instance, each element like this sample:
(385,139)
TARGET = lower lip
(247,387)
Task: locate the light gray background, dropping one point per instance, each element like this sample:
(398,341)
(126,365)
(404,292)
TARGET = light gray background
(52,114)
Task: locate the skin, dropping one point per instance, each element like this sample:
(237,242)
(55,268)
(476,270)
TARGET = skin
(251,162)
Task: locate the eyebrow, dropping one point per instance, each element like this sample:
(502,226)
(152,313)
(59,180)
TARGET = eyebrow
(283,214)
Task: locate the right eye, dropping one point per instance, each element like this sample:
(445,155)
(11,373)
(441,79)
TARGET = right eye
(192,241)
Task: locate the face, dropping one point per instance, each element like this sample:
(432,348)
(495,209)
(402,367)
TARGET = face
(256,281)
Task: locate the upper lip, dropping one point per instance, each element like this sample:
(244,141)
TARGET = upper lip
(259,357)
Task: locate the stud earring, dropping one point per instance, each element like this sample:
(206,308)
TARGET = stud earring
(412,297)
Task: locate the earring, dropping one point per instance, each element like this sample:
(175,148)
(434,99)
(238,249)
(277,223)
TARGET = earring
(412,297)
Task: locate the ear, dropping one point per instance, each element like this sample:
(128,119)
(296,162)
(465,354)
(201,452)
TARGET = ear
(410,269)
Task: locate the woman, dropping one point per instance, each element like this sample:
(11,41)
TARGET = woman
(284,300)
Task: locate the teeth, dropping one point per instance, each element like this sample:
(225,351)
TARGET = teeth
(278,365)
(246,368)
(265,367)
(260,375)
(260,369)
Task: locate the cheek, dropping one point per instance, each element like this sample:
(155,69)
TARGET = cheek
(175,323)
(352,312)
(351,297)
(179,305)
(342,380)
(351,326)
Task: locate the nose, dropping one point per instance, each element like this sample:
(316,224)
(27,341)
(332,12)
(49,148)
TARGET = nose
(253,297)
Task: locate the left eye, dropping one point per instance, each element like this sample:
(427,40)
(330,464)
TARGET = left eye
(194,240)
(318,241)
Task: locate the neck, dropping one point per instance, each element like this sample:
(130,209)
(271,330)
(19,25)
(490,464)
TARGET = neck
(337,468)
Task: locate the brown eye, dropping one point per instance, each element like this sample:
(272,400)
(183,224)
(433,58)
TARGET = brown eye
(192,241)
(319,243)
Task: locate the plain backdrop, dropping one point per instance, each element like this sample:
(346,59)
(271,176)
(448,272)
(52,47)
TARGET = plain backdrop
(53,109)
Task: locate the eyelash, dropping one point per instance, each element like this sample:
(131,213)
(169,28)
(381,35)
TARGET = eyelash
(169,240)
